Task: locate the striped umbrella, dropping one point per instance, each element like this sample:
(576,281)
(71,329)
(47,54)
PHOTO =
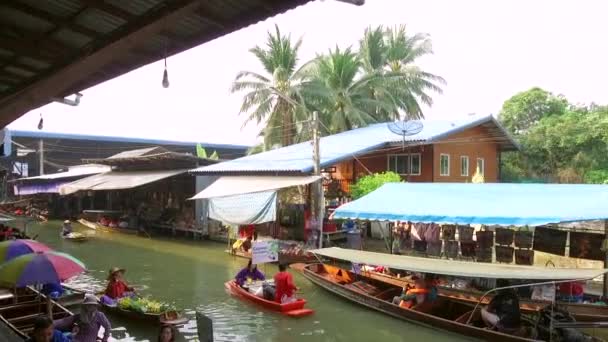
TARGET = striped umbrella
(40,268)
(14,248)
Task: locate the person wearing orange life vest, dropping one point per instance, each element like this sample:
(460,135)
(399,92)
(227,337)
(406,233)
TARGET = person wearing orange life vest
(423,291)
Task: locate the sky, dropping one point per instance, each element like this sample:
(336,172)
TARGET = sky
(486,50)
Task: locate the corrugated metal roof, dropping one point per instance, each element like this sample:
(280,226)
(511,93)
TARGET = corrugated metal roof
(342,146)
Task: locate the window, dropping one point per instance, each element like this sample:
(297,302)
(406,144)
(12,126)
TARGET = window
(405,164)
(444,165)
(464,166)
(481,166)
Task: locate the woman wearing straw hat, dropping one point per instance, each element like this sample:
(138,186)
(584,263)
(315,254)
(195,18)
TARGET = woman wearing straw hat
(85,325)
(117,287)
(67,228)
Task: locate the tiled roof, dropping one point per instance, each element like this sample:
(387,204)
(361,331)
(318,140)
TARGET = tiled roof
(343,146)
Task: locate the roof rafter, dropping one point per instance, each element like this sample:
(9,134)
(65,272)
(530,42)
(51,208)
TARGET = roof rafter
(110,9)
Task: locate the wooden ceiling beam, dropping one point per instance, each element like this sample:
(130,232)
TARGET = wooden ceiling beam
(50,18)
(24,48)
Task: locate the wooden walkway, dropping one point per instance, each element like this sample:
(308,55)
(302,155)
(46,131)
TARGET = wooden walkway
(7,335)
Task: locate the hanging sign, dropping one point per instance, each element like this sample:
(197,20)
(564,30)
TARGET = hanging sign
(265,251)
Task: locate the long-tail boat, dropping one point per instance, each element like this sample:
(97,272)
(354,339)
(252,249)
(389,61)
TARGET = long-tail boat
(445,313)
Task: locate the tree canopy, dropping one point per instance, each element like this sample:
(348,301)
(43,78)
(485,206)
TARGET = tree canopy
(369,183)
(561,142)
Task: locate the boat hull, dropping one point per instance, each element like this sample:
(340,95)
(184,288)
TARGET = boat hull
(581,312)
(295,309)
(326,282)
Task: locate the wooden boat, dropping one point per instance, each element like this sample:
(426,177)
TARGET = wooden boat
(283,257)
(582,312)
(20,311)
(444,313)
(88,224)
(164,318)
(97,226)
(76,237)
(295,309)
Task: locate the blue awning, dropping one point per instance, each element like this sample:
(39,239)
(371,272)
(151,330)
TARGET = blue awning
(489,204)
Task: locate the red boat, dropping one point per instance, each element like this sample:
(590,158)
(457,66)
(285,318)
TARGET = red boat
(295,309)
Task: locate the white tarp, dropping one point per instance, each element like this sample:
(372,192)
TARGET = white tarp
(243,209)
(264,251)
(459,268)
(117,180)
(236,185)
(74,171)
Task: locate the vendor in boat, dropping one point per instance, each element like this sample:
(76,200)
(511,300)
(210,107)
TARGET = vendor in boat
(502,313)
(85,325)
(67,228)
(53,290)
(44,331)
(117,287)
(424,291)
(246,245)
(248,273)
(284,286)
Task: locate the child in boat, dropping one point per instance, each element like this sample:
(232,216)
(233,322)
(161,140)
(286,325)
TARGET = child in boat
(44,332)
(424,291)
(117,287)
(249,272)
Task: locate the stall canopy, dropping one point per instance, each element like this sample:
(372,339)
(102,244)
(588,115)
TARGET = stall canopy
(117,181)
(489,204)
(256,208)
(459,268)
(236,185)
(74,171)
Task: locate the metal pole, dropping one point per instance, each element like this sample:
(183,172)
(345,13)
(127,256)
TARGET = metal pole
(605,292)
(41,156)
(318,202)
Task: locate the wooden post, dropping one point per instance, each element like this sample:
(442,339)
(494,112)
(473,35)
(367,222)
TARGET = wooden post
(605,292)
(318,201)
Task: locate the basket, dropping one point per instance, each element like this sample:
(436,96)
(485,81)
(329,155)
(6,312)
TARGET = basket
(504,236)
(485,239)
(467,249)
(451,249)
(524,257)
(434,248)
(523,239)
(465,233)
(484,255)
(504,254)
(448,232)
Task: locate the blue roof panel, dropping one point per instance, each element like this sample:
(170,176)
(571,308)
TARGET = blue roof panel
(338,147)
(490,204)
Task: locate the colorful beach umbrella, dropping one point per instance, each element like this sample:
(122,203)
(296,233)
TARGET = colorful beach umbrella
(40,268)
(14,248)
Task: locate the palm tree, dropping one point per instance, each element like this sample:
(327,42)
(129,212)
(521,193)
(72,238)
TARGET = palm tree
(392,52)
(342,93)
(272,97)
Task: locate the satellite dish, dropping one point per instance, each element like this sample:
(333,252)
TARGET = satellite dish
(405,128)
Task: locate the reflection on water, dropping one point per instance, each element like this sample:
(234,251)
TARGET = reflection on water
(191,276)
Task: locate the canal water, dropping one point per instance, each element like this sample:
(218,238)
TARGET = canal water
(191,275)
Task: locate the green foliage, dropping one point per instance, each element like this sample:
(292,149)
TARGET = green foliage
(369,183)
(215,156)
(348,88)
(200,151)
(522,111)
(566,144)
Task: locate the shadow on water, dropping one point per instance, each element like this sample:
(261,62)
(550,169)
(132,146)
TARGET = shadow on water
(191,275)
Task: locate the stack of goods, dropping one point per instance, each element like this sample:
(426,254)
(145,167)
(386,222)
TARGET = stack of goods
(467,245)
(143,305)
(292,251)
(448,234)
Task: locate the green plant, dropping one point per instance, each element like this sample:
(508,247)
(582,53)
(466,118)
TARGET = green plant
(369,183)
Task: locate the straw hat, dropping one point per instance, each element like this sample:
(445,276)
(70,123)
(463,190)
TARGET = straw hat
(115,270)
(67,222)
(90,299)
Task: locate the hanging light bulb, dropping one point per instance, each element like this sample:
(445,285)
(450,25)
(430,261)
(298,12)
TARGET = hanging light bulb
(41,122)
(165,76)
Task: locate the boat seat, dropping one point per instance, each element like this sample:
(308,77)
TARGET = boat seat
(31,304)
(24,318)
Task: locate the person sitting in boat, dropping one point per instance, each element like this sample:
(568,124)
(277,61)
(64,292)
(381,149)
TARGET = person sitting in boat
(53,290)
(571,292)
(250,272)
(85,325)
(67,228)
(117,287)
(44,331)
(246,245)
(284,286)
(167,334)
(502,313)
(424,291)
